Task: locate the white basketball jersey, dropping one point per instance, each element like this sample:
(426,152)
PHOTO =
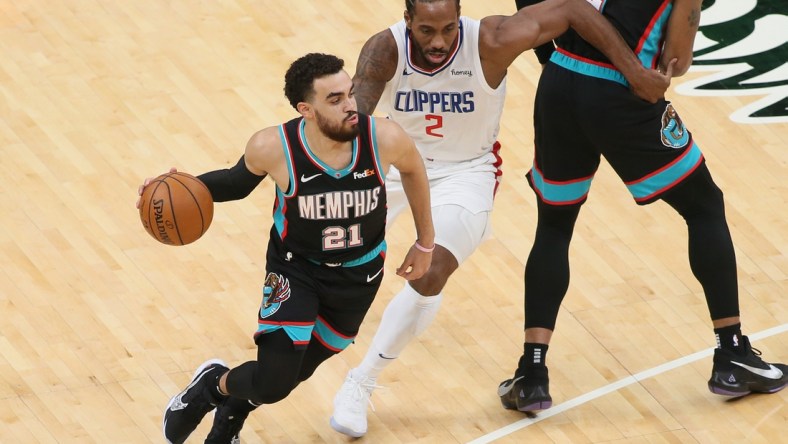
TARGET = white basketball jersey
(451,112)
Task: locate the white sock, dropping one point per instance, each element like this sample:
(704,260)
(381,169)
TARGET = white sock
(405,318)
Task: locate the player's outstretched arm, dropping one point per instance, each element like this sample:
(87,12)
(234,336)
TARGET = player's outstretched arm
(397,148)
(540,23)
(237,182)
(376,64)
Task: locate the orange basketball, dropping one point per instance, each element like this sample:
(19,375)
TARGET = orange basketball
(176,208)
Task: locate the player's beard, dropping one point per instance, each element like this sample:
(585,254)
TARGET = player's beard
(337,131)
(429,64)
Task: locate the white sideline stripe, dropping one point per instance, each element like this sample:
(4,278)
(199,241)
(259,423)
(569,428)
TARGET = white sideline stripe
(590,396)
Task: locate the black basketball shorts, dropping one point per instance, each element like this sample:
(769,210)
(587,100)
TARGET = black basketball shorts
(579,117)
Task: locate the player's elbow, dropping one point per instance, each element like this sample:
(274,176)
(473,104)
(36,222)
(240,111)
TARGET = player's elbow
(680,66)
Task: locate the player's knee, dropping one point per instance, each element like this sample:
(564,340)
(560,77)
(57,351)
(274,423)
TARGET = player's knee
(266,392)
(443,265)
(698,198)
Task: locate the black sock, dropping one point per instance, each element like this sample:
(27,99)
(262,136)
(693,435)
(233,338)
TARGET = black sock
(213,385)
(532,362)
(730,338)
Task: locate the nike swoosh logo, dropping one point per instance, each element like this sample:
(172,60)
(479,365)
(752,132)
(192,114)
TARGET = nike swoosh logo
(384,357)
(772,373)
(305,179)
(177,402)
(372,278)
(506,388)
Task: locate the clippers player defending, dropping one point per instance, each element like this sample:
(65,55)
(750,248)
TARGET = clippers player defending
(653,152)
(443,78)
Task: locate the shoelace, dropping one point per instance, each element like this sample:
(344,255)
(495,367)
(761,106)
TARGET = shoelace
(364,387)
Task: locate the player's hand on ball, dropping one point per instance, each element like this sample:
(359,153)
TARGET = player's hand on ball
(175,208)
(145,183)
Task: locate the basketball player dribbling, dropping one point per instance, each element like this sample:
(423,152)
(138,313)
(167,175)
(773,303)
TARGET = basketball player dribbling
(326,247)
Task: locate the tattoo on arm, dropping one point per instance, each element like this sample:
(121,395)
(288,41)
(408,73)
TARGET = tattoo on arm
(376,65)
(694,18)
(367,89)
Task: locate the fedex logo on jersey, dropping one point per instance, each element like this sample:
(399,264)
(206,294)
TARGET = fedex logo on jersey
(338,204)
(434,102)
(363,174)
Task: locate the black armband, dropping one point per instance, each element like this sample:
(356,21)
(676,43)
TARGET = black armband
(545,50)
(231,184)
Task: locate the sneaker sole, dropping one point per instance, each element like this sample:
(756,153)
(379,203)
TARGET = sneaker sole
(199,370)
(345,430)
(541,405)
(724,392)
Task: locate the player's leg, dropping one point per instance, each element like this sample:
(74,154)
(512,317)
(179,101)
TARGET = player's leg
(564,165)
(348,295)
(737,368)
(286,318)
(414,308)
(459,229)
(546,283)
(231,415)
(659,159)
(265,381)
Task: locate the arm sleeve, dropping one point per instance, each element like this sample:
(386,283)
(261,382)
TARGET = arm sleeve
(231,184)
(545,50)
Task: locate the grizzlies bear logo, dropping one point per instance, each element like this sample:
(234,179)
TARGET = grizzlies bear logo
(673,133)
(276,290)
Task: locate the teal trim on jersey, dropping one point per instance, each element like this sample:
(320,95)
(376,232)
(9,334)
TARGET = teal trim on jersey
(331,338)
(560,193)
(372,254)
(288,160)
(373,138)
(297,333)
(669,176)
(330,171)
(648,52)
(279,213)
(566,60)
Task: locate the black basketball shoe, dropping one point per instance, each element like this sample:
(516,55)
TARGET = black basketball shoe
(187,408)
(526,392)
(738,375)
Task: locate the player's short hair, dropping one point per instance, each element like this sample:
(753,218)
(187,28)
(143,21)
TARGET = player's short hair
(300,77)
(410,5)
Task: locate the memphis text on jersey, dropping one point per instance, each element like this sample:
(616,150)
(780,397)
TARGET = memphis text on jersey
(338,204)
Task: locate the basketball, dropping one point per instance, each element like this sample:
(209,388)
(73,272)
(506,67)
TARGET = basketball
(176,208)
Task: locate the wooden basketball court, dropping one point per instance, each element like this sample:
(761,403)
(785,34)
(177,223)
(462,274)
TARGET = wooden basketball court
(100,325)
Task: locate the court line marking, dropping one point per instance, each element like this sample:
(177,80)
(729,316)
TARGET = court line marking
(629,380)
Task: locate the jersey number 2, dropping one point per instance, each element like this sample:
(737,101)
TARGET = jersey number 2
(435,126)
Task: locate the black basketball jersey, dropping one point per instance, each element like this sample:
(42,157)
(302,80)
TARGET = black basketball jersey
(326,215)
(642,24)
